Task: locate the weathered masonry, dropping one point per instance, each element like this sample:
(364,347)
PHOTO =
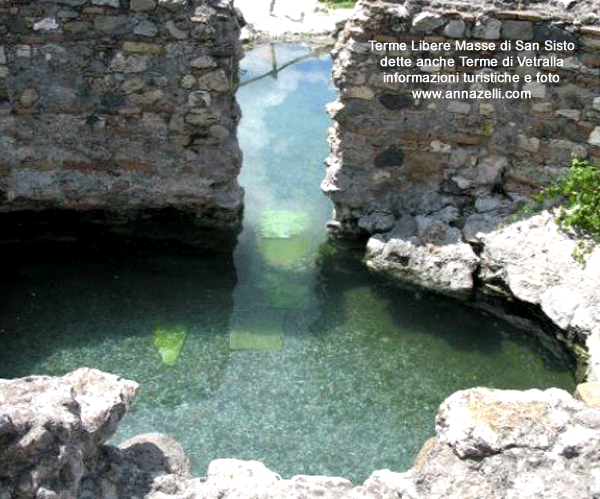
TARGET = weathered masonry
(428,160)
(519,93)
(120,106)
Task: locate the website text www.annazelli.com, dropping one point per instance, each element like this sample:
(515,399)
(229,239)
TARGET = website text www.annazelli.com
(494,93)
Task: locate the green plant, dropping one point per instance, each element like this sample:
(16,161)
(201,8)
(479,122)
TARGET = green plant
(339,4)
(581,188)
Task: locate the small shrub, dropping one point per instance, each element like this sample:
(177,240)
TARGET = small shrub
(339,4)
(581,188)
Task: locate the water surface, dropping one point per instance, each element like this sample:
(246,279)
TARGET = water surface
(289,352)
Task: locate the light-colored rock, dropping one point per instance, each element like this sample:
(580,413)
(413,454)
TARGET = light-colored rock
(216,81)
(174,31)
(23,51)
(487,28)
(129,63)
(110,3)
(172,5)
(142,48)
(188,81)
(538,90)
(199,99)
(510,444)
(589,393)
(427,22)
(469,420)
(28,97)
(47,24)
(203,62)
(572,114)
(361,92)
(490,169)
(201,117)
(455,28)
(531,144)
(2,55)
(447,268)
(525,256)
(594,137)
(60,423)
(146,28)
(459,107)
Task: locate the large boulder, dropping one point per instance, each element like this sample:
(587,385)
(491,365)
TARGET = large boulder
(50,428)
(445,268)
(532,259)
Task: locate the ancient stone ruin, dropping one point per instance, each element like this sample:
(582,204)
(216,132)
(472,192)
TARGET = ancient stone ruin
(445,168)
(430,179)
(124,107)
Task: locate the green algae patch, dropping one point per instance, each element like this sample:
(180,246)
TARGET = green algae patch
(284,244)
(169,343)
(247,340)
(283,223)
(286,253)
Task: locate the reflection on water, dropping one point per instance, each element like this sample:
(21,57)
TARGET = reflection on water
(295,357)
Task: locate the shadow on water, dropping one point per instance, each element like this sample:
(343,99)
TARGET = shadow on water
(462,328)
(90,297)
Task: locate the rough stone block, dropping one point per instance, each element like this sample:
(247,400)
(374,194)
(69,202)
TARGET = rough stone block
(77,26)
(174,31)
(216,81)
(110,3)
(459,107)
(455,28)
(142,5)
(538,90)
(109,24)
(427,22)
(594,138)
(28,97)
(589,393)
(487,28)
(203,62)
(517,30)
(142,48)
(146,28)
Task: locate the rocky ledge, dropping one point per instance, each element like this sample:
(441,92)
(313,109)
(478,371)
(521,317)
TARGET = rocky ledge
(488,444)
(529,261)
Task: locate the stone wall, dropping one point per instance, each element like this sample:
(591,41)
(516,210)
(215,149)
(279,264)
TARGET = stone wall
(430,182)
(120,106)
(443,169)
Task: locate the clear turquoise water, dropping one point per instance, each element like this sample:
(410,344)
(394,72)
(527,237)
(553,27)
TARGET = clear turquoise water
(289,353)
